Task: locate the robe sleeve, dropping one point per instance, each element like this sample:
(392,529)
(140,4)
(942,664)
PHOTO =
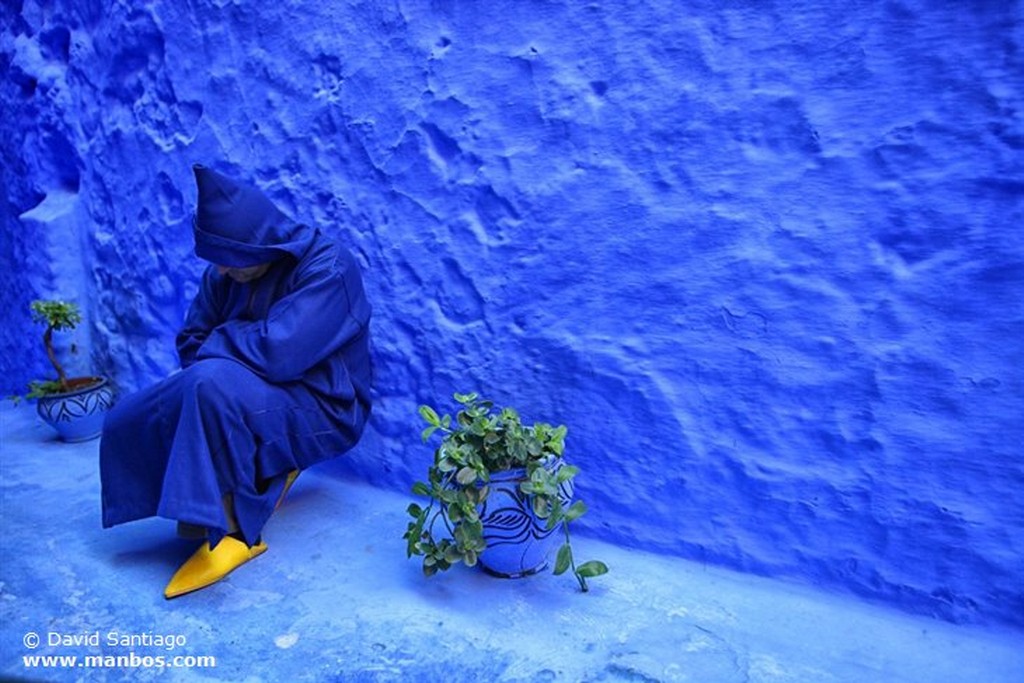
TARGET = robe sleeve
(203,316)
(311,322)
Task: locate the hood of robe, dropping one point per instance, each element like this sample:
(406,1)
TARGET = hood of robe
(237,226)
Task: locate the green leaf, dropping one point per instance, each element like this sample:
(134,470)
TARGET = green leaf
(412,536)
(541,507)
(414,510)
(556,514)
(454,513)
(430,415)
(566,473)
(556,444)
(563,560)
(421,489)
(427,433)
(575,511)
(466,476)
(475,531)
(466,399)
(473,495)
(452,555)
(470,513)
(591,569)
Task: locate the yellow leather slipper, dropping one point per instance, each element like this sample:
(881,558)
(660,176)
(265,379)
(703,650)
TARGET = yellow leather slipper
(292,476)
(207,567)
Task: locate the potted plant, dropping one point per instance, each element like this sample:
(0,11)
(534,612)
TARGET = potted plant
(502,492)
(74,406)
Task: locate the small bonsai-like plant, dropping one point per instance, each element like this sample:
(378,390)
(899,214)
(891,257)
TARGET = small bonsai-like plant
(480,442)
(56,316)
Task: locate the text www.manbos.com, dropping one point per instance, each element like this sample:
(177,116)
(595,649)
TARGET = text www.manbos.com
(130,660)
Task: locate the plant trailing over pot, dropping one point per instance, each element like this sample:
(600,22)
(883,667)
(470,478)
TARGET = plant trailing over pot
(74,406)
(501,491)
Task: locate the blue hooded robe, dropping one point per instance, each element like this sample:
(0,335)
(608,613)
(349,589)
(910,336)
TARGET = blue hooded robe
(275,374)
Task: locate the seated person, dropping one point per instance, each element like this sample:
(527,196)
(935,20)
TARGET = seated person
(275,377)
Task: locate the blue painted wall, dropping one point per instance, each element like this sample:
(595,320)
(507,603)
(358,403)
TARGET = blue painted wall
(763,259)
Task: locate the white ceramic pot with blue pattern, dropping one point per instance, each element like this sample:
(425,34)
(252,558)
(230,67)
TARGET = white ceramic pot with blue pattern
(518,542)
(78,415)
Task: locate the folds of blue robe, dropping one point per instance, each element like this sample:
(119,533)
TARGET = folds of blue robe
(275,375)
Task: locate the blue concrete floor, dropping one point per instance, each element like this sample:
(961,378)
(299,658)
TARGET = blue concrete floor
(334,599)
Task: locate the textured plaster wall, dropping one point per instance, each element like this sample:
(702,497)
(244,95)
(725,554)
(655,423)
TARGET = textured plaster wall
(764,259)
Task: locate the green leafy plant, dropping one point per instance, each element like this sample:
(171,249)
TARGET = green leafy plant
(57,316)
(479,442)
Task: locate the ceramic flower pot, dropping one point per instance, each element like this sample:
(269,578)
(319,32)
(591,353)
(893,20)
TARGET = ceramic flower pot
(77,415)
(518,542)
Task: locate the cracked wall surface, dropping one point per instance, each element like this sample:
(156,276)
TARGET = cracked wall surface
(763,259)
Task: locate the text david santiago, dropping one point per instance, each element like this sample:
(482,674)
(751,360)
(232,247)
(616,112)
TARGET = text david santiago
(116,639)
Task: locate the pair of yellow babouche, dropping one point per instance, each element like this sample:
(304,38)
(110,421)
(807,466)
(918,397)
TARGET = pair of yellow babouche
(209,565)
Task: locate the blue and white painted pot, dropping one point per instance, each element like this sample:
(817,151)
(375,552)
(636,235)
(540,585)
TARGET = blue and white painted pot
(518,542)
(77,415)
